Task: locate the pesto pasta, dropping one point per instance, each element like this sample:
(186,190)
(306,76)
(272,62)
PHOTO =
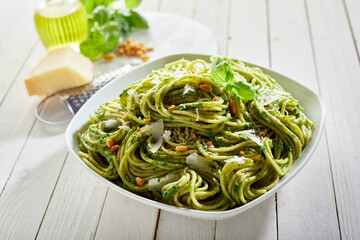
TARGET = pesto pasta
(202,135)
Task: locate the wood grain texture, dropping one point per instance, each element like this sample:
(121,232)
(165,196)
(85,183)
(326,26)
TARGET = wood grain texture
(291,54)
(19,111)
(149,5)
(18,37)
(352,8)
(183,8)
(251,43)
(124,218)
(214,15)
(256,223)
(179,227)
(75,206)
(248,34)
(339,74)
(32,181)
(290,41)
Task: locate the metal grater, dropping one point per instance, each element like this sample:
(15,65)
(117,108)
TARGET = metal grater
(76,97)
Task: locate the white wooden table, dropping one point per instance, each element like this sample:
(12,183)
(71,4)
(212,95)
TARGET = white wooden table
(45,194)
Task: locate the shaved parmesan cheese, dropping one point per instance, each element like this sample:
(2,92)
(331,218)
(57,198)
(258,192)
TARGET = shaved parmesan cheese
(270,100)
(274,95)
(178,75)
(167,134)
(251,135)
(156,131)
(156,184)
(156,80)
(250,131)
(197,113)
(133,92)
(188,88)
(125,128)
(197,162)
(239,160)
(155,146)
(111,124)
(255,139)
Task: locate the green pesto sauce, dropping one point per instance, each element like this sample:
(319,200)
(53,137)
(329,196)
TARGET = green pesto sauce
(168,194)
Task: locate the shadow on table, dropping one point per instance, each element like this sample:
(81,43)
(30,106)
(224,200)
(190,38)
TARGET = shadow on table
(258,222)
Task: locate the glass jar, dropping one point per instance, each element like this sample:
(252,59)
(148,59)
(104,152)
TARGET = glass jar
(61,23)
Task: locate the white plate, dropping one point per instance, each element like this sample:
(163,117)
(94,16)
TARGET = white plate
(312,104)
(167,34)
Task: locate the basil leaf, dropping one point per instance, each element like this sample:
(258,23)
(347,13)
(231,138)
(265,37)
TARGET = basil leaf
(112,40)
(132,3)
(136,20)
(96,32)
(243,90)
(90,5)
(100,15)
(124,27)
(111,26)
(107,25)
(221,71)
(91,48)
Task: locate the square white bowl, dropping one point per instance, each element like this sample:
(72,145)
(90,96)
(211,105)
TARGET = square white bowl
(311,103)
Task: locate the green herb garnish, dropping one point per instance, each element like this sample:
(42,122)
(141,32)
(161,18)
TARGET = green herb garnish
(168,194)
(223,74)
(132,3)
(90,5)
(221,71)
(107,25)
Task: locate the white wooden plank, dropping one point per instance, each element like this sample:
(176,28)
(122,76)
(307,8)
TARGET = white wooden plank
(184,227)
(305,210)
(75,206)
(213,14)
(352,8)
(291,52)
(183,8)
(18,108)
(249,41)
(256,223)
(339,74)
(149,5)
(248,35)
(124,218)
(25,198)
(306,206)
(18,37)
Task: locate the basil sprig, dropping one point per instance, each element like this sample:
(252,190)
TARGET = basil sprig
(132,3)
(107,25)
(223,74)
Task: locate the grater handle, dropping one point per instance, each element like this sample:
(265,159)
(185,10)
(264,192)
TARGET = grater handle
(38,110)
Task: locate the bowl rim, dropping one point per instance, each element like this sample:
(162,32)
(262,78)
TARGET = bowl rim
(69,135)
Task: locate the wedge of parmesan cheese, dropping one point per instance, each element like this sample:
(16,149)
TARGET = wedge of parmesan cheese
(60,69)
